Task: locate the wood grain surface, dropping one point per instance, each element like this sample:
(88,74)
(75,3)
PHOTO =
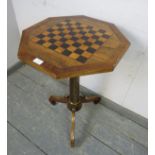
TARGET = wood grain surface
(72,46)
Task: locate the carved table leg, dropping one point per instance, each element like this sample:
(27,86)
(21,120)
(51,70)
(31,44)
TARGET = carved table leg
(74,103)
(72,131)
(55,99)
(87,99)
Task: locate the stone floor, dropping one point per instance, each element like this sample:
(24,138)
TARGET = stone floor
(37,128)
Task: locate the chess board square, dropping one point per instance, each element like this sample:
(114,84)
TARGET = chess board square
(77,30)
(57,37)
(35,39)
(73,22)
(74,56)
(81,41)
(46,33)
(99,34)
(62,34)
(40,36)
(86,54)
(70,42)
(49,30)
(89,27)
(47,44)
(84,25)
(74,26)
(70,28)
(66,52)
(52,40)
(82,32)
(54,28)
(66,31)
(60,29)
(83,47)
(84,29)
(41,42)
(63,23)
(91,40)
(106,36)
(53,47)
(102,39)
(99,42)
(59,49)
(102,31)
(59,25)
(72,33)
(78,51)
(88,43)
(74,38)
(85,38)
(72,48)
(58,43)
(46,38)
(76,44)
(77,24)
(81,59)
(55,32)
(78,35)
(95,29)
(92,31)
(91,50)
(67,20)
(63,39)
(95,37)
(51,35)
(68,24)
(88,35)
(68,36)
(64,45)
(63,27)
(95,46)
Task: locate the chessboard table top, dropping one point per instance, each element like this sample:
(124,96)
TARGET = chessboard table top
(71,46)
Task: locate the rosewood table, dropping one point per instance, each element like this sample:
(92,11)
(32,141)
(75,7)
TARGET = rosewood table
(69,47)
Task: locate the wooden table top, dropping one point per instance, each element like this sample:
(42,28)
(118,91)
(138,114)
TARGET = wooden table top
(71,46)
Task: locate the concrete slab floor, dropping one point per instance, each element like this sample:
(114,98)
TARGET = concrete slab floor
(36,127)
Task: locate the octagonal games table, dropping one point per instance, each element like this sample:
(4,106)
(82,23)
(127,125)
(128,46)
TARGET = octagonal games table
(69,47)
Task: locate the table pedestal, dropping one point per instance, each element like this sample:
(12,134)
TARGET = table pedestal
(74,103)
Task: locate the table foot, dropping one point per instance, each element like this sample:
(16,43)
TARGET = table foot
(88,99)
(65,99)
(58,99)
(73,108)
(72,131)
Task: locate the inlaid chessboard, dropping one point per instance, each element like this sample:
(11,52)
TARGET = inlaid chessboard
(72,39)
(72,46)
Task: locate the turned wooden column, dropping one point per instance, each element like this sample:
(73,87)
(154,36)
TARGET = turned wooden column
(74,103)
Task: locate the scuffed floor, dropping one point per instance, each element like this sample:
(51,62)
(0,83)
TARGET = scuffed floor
(37,128)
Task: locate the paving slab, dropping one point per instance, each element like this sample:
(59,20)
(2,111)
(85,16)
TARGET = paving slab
(19,145)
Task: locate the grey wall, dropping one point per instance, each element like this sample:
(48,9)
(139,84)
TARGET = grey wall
(13,36)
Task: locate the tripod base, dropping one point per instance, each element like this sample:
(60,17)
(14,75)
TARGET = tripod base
(66,99)
(74,103)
